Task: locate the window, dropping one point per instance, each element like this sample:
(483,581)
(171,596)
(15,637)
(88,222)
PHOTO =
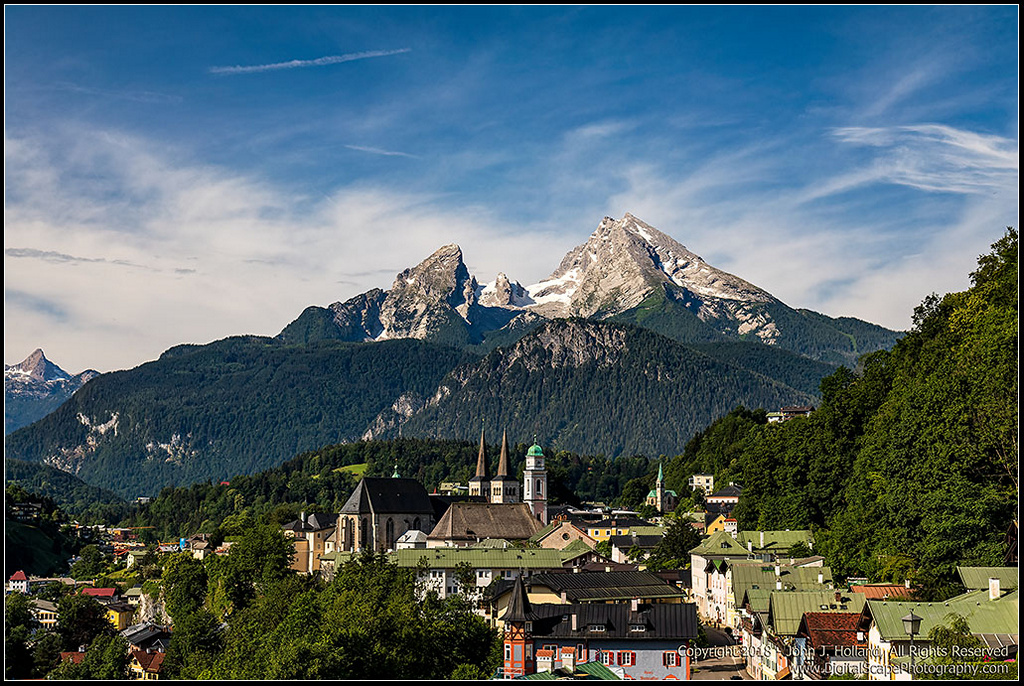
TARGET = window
(670,658)
(596,628)
(606,658)
(508,652)
(627,658)
(637,628)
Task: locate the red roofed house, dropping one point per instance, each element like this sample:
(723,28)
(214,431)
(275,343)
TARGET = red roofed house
(18,583)
(75,657)
(832,643)
(882,591)
(145,665)
(104,595)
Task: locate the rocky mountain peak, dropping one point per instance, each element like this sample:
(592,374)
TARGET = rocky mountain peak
(37,368)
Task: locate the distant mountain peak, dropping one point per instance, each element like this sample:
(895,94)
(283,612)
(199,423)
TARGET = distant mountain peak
(38,368)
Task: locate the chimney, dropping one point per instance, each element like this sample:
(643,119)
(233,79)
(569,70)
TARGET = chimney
(762,541)
(564,598)
(907,584)
(778,584)
(569,658)
(634,604)
(575,622)
(993,588)
(778,569)
(821,578)
(750,547)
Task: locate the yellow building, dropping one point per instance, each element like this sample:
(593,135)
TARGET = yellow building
(120,615)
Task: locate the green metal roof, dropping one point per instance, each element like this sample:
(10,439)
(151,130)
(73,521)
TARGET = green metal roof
(786,608)
(757,598)
(774,541)
(984,616)
(652,530)
(575,548)
(720,543)
(535,451)
(975,578)
(493,558)
(762,576)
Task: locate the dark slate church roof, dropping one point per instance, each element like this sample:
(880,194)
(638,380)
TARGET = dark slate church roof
(386,496)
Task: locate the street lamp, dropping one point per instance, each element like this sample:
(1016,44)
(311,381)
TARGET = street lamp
(911,625)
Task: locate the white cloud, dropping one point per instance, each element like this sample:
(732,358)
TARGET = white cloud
(121,249)
(297,64)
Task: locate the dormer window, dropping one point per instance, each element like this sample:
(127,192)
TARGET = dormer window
(596,628)
(637,628)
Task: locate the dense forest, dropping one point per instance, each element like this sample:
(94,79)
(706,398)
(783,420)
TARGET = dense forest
(234,406)
(909,466)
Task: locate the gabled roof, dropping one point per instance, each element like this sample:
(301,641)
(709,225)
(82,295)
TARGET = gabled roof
(149,661)
(883,591)
(975,578)
(388,496)
(729,491)
(616,621)
(775,541)
(831,629)
(984,616)
(100,592)
(761,576)
(786,608)
(475,521)
(628,541)
(19,576)
(720,543)
(604,586)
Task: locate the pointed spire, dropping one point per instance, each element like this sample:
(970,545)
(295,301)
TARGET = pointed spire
(396,475)
(503,461)
(481,460)
(519,609)
(661,476)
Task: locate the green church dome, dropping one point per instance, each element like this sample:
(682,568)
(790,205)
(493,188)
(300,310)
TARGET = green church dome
(535,451)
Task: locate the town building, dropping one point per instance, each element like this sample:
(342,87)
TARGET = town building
(465,524)
(380,511)
(660,498)
(635,640)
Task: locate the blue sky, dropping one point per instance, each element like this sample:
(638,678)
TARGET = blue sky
(181,174)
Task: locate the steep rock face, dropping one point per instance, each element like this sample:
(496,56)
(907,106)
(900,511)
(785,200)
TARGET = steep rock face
(627,271)
(627,260)
(35,387)
(423,299)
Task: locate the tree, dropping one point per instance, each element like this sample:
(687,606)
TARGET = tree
(18,627)
(80,620)
(184,583)
(673,552)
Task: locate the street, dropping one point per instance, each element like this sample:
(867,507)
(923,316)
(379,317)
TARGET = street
(722,662)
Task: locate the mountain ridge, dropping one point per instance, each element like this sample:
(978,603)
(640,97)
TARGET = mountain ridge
(626,271)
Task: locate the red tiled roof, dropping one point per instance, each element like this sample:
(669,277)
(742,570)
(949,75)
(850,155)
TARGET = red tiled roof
(880,591)
(75,657)
(100,592)
(831,628)
(19,576)
(150,662)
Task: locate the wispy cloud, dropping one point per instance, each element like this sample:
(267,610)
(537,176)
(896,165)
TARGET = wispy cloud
(297,64)
(379,151)
(935,157)
(151,97)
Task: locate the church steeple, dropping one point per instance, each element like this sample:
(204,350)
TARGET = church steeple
(504,488)
(480,484)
